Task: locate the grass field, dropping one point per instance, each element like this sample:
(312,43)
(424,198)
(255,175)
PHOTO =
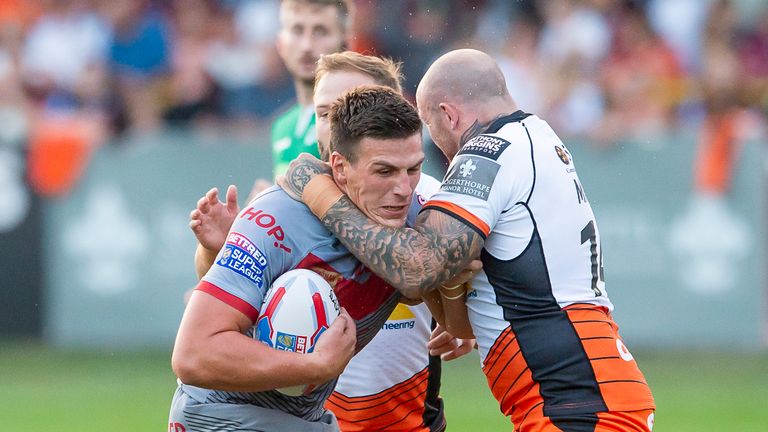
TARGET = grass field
(43,390)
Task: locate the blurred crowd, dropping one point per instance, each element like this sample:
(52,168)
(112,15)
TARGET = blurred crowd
(81,72)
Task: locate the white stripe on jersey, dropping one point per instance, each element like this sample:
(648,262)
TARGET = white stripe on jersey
(395,354)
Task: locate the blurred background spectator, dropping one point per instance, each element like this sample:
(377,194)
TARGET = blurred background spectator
(78,73)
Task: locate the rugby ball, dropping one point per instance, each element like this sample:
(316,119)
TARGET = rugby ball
(298,308)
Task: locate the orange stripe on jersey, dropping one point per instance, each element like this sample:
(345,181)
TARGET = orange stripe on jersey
(640,421)
(510,379)
(617,421)
(498,348)
(460,213)
(397,408)
(620,382)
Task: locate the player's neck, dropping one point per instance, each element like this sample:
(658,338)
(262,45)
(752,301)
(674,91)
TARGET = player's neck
(490,112)
(304,91)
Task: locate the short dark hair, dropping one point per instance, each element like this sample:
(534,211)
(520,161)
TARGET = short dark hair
(370,112)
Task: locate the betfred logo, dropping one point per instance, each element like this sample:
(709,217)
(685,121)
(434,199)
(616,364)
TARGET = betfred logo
(243,257)
(245,244)
(301,344)
(268,222)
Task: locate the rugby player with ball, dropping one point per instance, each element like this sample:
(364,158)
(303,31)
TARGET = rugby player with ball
(227,378)
(405,395)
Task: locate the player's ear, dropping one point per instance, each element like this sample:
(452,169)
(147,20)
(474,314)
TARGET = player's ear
(339,168)
(450,113)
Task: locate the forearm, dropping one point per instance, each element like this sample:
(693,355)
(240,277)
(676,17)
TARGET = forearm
(232,361)
(212,351)
(203,260)
(450,312)
(412,260)
(435,306)
(453,302)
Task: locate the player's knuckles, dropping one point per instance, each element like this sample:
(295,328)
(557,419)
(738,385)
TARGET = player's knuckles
(442,338)
(438,329)
(441,348)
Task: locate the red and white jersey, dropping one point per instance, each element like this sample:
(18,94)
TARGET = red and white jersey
(391,384)
(516,186)
(403,396)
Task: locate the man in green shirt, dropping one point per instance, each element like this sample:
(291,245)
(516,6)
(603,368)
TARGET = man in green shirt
(308,29)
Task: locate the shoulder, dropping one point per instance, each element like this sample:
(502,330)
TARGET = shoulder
(505,135)
(276,202)
(286,121)
(427,186)
(288,116)
(282,221)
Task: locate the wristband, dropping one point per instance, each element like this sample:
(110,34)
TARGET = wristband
(456,297)
(444,291)
(451,288)
(320,194)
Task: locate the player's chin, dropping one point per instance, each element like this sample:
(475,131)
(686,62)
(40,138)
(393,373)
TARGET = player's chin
(307,72)
(392,219)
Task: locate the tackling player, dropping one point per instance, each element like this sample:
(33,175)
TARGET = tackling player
(550,348)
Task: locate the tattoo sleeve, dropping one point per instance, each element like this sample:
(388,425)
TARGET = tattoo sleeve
(300,173)
(413,260)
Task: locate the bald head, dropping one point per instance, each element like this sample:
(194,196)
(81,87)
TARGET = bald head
(465,77)
(460,95)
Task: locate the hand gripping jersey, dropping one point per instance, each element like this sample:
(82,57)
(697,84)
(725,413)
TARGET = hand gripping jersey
(403,396)
(293,133)
(272,235)
(540,310)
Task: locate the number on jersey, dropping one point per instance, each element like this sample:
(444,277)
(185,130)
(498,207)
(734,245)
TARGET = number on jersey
(596,258)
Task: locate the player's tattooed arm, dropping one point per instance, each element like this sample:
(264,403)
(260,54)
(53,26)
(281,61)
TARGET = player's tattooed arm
(300,172)
(412,260)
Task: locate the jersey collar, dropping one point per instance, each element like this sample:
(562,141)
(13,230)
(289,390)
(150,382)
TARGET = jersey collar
(497,124)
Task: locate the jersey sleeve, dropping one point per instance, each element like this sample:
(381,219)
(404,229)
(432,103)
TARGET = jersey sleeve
(256,251)
(487,177)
